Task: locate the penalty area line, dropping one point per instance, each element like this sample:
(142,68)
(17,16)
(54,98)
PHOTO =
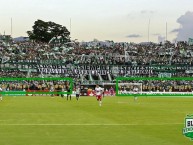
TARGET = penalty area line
(161,124)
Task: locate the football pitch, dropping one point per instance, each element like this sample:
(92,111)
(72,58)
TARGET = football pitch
(42,120)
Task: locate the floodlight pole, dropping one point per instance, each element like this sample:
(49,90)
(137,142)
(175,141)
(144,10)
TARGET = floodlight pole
(166,31)
(11,27)
(70,26)
(148,29)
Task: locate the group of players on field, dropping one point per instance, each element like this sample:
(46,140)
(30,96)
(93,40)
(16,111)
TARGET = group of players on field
(99,93)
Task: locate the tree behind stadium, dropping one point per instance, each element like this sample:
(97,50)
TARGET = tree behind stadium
(45,31)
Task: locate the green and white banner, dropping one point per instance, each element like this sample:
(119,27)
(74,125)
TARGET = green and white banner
(190,41)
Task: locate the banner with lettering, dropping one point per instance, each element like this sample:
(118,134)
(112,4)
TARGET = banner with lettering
(58,67)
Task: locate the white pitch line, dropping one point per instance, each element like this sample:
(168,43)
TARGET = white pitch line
(91,124)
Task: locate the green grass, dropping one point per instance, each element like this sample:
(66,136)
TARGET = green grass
(120,121)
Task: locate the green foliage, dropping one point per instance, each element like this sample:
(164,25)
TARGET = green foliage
(45,31)
(5,38)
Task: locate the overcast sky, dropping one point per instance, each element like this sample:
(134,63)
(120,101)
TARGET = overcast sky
(118,20)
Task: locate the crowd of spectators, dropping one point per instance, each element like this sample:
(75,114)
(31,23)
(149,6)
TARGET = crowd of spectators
(24,85)
(96,53)
(88,53)
(158,86)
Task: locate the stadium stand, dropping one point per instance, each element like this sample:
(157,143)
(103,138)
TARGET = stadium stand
(97,61)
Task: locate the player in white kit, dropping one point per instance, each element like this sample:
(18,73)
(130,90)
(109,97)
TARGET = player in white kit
(99,92)
(1,98)
(77,92)
(136,91)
